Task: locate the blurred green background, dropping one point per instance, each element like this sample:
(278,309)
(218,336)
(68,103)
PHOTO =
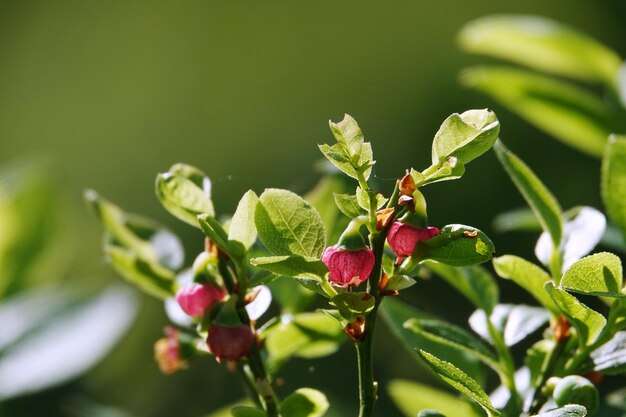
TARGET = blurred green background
(110,93)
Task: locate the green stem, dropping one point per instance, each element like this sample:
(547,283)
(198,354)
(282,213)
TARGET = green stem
(260,383)
(539,396)
(372,200)
(368,387)
(507,374)
(263,387)
(249,383)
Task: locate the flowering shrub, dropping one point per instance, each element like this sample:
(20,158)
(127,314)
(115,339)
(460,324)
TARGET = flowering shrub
(370,249)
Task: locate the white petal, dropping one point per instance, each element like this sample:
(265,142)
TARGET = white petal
(260,304)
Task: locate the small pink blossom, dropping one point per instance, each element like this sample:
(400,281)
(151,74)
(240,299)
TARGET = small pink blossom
(348,267)
(403,237)
(167,352)
(231,343)
(196,299)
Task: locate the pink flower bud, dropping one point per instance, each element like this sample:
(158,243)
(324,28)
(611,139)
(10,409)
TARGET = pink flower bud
(348,267)
(196,299)
(230,343)
(403,237)
(167,352)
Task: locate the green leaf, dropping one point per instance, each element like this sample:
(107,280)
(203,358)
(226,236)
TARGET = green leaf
(351,154)
(304,402)
(514,322)
(474,282)
(610,358)
(528,276)
(411,397)
(147,275)
(185,192)
(36,243)
(450,334)
(567,411)
(288,225)
(597,274)
(400,282)
(614,181)
(140,250)
(538,197)
(244,411)
(363,199)
(292,266)
(353,304)
(537,359)
(459,380)
(430,413)
(456,245)
(226,410)
(465,136)
(322,198)
(543,44)
(395,312)
(242,228)
(588,323)
(214,231)
(516,220)
(449,169)
(569,113)
(73,334)
(304,335)
(291,295)
(348,205)
(116,222)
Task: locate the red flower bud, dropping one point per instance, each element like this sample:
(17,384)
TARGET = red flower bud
(197,298)
(403,237)
(230,343)
(348,267)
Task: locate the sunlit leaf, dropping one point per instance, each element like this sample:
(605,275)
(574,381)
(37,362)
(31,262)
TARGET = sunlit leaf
(567,411)
(304,402)
(459,380)
(242,228)
(292,266)
(541,43)
(597,274)
(538,197)
(465,136)
(614,181)
(288,225)
(34,244)
(148,276)
(455,336)
(185,192)
(396,312)
(528,276)
(350,154)
(411,397)
(588,323)
(305,335)
(456,245)
(569,113)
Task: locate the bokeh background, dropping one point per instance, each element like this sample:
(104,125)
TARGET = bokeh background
(107,94)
